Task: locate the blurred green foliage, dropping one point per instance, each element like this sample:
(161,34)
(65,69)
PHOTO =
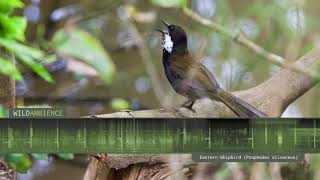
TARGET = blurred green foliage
(87,48)
(8,6)
(20,162)
(277,26)
(3,112)
(65,156)
(223,172)
(35,106)
(11,27)
(12,30)
(40,156)
(44,156)
(118,104)
(169,3)
(8,68)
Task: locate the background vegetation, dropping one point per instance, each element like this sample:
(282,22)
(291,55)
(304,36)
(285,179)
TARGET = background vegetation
(94,57)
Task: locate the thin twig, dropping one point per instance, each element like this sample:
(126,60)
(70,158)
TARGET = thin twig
(147,61)
(241,39)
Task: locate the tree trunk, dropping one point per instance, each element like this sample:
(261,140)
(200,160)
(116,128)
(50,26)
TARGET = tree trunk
(6,173)
(7,91)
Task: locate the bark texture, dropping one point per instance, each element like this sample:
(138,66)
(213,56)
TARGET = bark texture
(6,173)
(7,92)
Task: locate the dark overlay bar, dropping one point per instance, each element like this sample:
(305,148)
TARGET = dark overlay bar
(93,135)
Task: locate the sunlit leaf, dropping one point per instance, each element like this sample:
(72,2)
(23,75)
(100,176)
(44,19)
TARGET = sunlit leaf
(7,6)
(12,27)
(169,3)
(27,55)
(20,48)
(9,69)
(40,156)
(119,104)
(65,156)
(20,162)
(81,45)
(20,24)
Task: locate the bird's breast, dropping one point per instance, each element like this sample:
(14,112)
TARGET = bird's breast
(171,73)
(175,76)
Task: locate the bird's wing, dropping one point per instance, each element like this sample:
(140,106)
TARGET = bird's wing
(194,75)
(199,82)
(209,76)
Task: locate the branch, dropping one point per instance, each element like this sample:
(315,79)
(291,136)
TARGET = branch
(146,60)
(271,96)
(242,40)
(5,172)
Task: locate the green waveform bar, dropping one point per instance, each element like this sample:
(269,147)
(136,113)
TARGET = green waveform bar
(95,135)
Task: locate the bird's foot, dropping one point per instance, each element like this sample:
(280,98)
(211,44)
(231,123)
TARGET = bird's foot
(187,105)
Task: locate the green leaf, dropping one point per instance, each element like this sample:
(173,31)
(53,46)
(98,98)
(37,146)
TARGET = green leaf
(12,27)
(19,162)
(7,6)
(119,104)
(3,112)
(20,48)
(170,3)
(37,68)
(27,56)
(40,156)
(83,46)
(20,24)
(65,156)
(9,69)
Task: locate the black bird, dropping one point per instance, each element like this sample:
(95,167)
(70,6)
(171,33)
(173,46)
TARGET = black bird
(193,80)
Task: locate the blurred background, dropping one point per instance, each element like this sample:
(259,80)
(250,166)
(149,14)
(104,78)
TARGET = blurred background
(104,56)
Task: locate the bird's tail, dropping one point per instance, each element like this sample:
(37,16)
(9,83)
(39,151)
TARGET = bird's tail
(237,105)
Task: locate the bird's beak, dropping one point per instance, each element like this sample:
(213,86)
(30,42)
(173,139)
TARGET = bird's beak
(165,23)
(160,30)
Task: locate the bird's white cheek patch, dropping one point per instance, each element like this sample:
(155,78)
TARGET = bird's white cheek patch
(167,43)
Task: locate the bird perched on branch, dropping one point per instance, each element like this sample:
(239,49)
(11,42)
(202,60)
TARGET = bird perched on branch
(192,79)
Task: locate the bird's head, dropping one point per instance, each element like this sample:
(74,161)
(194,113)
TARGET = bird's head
(174,39)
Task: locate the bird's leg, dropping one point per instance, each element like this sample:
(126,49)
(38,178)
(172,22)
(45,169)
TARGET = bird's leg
(188,104)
